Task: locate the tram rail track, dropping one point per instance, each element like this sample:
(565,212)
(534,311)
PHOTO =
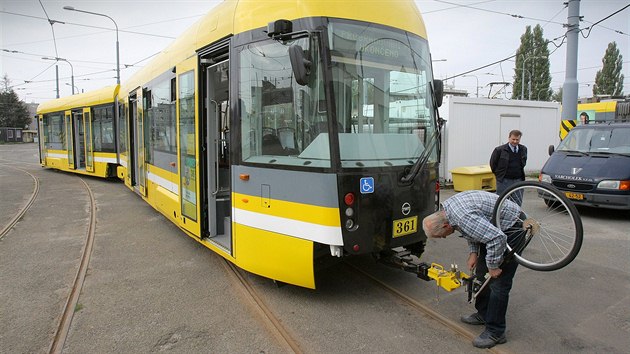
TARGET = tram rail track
(424,309)
(272,322)
(18,216)
(65,321)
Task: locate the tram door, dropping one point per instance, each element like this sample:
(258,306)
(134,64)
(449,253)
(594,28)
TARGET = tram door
(43,139)
(216,160)
(131,146)
(70,139)
(138,143)
(89,144)
(79,139)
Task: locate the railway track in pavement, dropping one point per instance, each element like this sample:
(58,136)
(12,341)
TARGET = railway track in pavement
(20,213)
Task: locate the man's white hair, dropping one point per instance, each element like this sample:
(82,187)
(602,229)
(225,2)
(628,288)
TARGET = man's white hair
(433,225)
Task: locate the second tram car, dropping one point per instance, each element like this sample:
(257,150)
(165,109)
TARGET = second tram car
(277,133)
(78,134)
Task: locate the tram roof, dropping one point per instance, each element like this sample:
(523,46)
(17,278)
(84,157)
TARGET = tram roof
(237,16)
(92,98)
(606,106)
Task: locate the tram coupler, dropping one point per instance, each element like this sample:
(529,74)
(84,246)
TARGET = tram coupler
(449,280)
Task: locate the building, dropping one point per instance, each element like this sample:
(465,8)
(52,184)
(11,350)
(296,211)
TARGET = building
(475,126)
(10,135)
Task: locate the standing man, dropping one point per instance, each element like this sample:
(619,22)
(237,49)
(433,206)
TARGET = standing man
(507,162)
(470,213)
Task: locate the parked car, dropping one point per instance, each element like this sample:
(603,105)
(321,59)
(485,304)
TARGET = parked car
(592,165)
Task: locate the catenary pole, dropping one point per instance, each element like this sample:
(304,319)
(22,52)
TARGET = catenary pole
(570,87)
(57,78)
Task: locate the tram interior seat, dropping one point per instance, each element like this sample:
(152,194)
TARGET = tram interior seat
(322,127)
(271,145)
(268,131)
(287,137)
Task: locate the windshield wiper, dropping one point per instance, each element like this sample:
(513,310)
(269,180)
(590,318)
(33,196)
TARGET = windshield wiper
(422,160)
(435,137)
(583,153)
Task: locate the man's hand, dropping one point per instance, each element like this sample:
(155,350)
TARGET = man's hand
(472,261)
(495,272)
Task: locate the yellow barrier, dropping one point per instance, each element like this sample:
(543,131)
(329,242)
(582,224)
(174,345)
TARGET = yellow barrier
(566,126)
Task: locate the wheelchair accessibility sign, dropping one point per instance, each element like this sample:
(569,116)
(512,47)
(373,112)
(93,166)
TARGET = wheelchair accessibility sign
(367,185)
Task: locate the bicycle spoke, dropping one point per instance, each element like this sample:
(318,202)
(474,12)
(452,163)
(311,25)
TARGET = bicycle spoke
(553,220)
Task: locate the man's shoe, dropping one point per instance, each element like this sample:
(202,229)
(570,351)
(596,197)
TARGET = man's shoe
(487,340)
(474,319)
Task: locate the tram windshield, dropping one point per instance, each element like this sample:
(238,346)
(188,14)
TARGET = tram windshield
(282,122)
(382,99)
(382,92)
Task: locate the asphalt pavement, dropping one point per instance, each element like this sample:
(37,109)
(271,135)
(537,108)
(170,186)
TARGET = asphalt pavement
(150,288)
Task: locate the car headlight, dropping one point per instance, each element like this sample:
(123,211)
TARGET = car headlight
(614,185)
(544,178)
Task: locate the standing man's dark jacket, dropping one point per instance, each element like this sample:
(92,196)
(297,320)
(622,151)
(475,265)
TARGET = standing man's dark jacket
(506,164)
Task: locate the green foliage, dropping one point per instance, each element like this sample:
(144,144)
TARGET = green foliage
(609,80)
(557,95)
(13,112)
(534,82)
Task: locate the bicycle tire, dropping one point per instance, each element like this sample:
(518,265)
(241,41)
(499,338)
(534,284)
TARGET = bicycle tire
(553,219)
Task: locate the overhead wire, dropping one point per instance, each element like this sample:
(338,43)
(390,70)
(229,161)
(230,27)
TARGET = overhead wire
(90,26)
(493,11)
(70,59)
(43,71)
(590,28)
(563,37)
(52,28)
(499,62)
(456,7)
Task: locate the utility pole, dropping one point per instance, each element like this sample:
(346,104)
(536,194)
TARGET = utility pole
(57,76)
(570,88)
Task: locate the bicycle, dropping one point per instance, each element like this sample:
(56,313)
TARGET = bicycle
(548,234)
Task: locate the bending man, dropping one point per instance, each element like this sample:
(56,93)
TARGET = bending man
(470,213)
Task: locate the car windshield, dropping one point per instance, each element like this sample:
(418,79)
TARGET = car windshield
(382,94)
(607,139)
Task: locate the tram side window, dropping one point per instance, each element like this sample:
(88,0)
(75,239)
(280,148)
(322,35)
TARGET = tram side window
(282,123)
(160,116)
(122,128)
(187,153)
(53,124)
(103,129)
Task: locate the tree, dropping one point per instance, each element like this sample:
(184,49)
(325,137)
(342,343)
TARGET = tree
(534,82)
(13,112)
(557,95)
(609,80)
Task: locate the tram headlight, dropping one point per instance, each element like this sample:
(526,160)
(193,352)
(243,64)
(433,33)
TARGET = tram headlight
(349,224)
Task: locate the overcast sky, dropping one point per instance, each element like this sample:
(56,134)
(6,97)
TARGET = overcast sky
(468,34)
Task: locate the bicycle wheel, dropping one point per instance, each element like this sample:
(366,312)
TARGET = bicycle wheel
(551,231)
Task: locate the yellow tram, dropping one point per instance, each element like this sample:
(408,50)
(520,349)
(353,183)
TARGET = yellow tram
(275,133)
(613,110)
(77,133)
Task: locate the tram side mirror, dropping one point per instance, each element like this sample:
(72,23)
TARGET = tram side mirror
(551,149)
(300,64)
(438,86)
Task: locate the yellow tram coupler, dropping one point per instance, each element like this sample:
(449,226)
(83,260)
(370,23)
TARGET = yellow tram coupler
(447,279)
